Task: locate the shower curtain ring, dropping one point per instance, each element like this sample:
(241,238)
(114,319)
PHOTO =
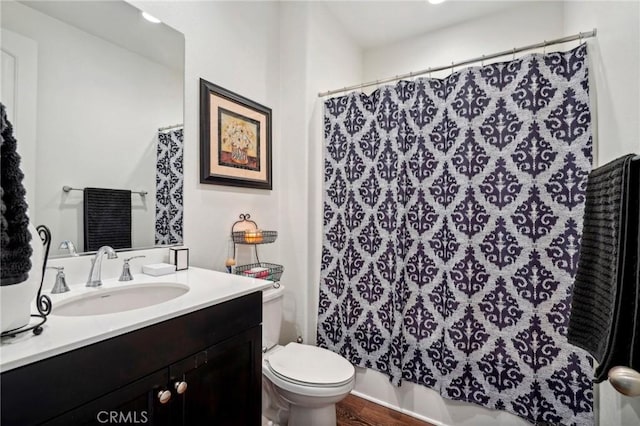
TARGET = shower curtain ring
(429,72)
(482,61)
(544,47)
(452,69)
(514,53)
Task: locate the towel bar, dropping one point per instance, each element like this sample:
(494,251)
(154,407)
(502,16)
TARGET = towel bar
(68,188)
(625,380)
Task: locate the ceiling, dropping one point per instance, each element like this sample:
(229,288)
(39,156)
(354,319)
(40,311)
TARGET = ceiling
(121,24)
(371,23)
(377,23)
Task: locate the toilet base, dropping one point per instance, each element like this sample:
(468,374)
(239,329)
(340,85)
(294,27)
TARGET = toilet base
(287,402)
(305,416)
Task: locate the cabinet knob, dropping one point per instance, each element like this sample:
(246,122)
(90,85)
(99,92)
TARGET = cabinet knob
(181,387)
(164,396)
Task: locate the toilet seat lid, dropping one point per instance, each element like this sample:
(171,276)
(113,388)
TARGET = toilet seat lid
(310,364)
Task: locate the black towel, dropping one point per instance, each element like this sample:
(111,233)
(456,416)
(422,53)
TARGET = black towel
(635,343)
(15,251)
(107,218)
(620,351)
(604,299)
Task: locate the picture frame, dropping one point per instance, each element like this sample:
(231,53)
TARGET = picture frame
(235,139)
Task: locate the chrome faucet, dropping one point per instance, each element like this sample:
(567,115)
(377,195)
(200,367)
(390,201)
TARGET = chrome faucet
(67,244)
(96,265)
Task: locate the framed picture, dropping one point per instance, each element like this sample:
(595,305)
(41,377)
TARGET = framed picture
(235,139)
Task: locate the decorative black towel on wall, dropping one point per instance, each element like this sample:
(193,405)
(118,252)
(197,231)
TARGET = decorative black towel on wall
(15,252)
(605,300)
(107,218)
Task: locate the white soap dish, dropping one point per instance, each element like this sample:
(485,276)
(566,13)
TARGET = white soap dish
(157,269)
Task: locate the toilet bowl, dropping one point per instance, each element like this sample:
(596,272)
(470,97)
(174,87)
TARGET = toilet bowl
(301,383)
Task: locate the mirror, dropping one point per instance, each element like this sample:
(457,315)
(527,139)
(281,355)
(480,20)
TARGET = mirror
(95,95)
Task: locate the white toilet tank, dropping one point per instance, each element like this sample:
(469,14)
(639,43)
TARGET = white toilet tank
(271,316)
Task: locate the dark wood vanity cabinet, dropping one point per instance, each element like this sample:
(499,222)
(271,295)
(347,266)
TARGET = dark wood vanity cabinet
(215,351)
(219,380)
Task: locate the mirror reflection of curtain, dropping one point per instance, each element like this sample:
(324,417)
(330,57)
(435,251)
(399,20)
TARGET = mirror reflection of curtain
(169,178)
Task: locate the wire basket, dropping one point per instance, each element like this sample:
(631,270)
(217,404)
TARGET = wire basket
(267,271)
(254,236)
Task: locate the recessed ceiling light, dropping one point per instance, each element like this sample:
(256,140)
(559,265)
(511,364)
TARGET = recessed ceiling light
(436,1)
(150,18)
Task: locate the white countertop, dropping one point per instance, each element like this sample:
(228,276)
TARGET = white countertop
(62,334)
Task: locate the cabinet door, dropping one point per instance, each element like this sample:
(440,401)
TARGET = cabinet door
(136,403)
(224,383)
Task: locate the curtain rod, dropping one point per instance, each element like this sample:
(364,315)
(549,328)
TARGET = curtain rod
(160,129)
(513,51)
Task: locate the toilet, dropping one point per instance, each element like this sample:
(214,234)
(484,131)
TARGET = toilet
(300,383)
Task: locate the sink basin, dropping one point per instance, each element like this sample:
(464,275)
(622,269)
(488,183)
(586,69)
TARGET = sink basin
(109,301)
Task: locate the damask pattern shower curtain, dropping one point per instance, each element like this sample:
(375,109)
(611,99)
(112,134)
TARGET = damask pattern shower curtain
(169,185)
(452,220)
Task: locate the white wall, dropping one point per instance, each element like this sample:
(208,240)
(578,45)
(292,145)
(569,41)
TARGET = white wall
(333,60)
(518,26)
(233,45)
(614,61)
(276,53)
(615,86)
(294,68)
(99,107)
(315,52)
(615,71)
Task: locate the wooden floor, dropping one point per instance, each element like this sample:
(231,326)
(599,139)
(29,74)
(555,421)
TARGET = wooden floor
(355,411)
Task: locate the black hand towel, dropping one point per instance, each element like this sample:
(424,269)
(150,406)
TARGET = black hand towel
(15,251)
(107,218)
(604,295)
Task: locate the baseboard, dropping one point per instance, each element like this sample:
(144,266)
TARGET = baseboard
(396,408)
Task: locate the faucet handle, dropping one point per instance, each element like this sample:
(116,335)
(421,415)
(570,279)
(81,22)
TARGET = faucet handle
(126,271)
(61,282)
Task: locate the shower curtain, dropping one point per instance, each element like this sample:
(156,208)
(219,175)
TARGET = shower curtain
(169,184)
(452,219)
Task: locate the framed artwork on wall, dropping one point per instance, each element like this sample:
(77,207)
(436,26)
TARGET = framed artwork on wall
(235,139)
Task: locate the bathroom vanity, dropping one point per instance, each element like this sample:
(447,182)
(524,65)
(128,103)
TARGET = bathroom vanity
(184,362)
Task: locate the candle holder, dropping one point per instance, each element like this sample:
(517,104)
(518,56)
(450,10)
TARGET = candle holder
(263,270)
(246,231)
(253,236)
